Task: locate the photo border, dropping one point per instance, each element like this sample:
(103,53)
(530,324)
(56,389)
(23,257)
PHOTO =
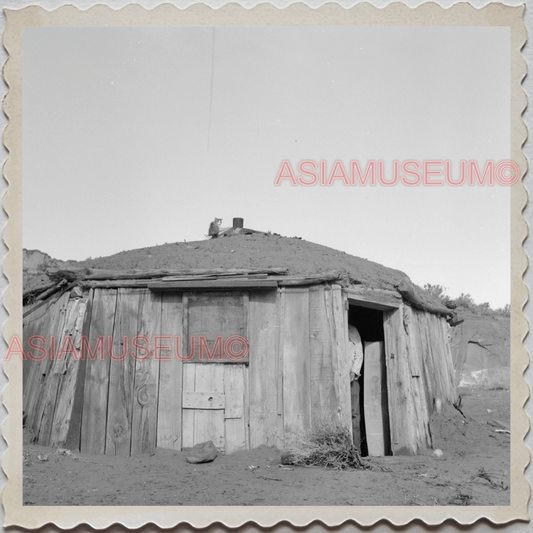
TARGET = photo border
(262,15)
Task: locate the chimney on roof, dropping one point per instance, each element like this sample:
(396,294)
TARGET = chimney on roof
(238,223)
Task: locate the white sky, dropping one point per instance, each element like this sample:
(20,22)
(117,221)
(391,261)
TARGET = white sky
(135,137)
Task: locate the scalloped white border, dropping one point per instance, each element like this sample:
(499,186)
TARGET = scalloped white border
(232,14)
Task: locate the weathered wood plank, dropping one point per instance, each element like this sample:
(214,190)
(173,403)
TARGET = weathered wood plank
(73,439)
(121,374)
(390,324)
(323,398)
(68,374)
(93,432)
(234,408)
(29,329)
(374,298)
(103,274)
(401,409)
(146,388)
(296,372)
(204,400)
(32,366)
(246,417)
(341,372)
(170,374)
(209,424)
(189,380)
(263,336)
(418,381)
(37,387)
(233,391)
(51,384)
(217,284)
(281,318)
(376,412)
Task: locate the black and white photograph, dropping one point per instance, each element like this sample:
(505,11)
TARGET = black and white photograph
(268,264)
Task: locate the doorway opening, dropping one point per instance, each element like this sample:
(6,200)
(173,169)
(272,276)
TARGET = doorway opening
(370,412)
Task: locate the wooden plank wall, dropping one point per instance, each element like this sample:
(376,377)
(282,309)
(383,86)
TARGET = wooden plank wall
(266,423)
(38,323)
(42,382)
(132,400)
(420,370)
(49,386)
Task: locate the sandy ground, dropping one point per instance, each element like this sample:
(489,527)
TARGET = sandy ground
(473,470)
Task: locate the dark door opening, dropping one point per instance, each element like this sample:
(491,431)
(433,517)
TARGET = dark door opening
(370,413)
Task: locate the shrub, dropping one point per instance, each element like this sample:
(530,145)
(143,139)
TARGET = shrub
(328,445)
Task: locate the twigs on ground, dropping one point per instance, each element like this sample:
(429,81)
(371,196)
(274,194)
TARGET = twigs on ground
(329,445)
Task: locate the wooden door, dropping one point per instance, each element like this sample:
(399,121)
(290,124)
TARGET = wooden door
(214,386)
(214,405)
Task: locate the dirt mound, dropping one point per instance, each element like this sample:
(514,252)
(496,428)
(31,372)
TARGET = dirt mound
(301,257)
(473,428)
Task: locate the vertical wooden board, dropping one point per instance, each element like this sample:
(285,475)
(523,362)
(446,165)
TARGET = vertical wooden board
(32,325)
(427,375)
(38,385)
(373,399)
(432,371)
(122,373)
(246,379)
(296,378)
(448,356)
(209,424)
(69,372)
(73,439)
(93,431)
(410,330)
(189,380)
(170,375)
(418,397)
(53,373)
(420,387)
(341,370)
(234,391)
(235,435)
(263,337)
(390,357)
(323,397)
(405,382)
(396,382)
(281,318)
(39,326)
(234,410)
(146,388)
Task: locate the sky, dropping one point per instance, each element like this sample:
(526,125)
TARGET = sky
(136,137)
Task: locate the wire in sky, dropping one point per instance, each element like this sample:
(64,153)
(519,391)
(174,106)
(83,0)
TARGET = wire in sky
(211,91)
